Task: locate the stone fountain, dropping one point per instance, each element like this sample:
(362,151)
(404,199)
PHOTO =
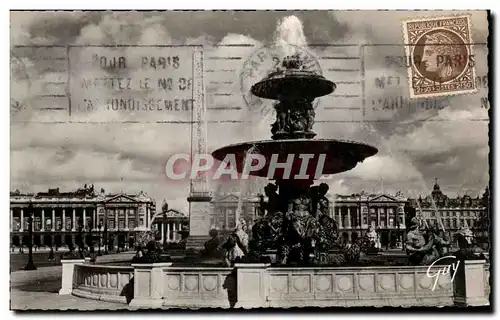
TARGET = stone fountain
(296,219)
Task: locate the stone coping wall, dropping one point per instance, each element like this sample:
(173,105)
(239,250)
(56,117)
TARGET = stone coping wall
(103,282)
(199,287)
(260,285)
(377,286)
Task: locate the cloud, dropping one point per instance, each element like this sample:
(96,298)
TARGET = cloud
(437,137)
(43,164)
(384,167)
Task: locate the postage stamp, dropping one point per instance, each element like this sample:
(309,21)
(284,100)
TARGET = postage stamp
(442,56)
(249,159)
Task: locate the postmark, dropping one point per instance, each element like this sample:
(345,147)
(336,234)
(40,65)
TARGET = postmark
(264,61)
(441,55)
(20,92)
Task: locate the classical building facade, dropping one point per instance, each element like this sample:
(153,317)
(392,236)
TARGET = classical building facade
(455,213)
(353,213)
(59,218)
(357,212)
(167,227)
(225,206)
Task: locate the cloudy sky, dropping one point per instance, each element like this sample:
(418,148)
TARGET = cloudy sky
(127,150)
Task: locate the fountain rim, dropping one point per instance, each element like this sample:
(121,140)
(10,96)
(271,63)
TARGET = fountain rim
(294,74)
(250,144)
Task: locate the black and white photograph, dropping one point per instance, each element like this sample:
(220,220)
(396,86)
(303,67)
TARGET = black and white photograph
(250,159)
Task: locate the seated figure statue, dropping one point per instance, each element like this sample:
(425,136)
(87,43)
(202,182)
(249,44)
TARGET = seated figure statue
(468,246)
(272,204)
(327,230)
(422,251)
(443,243)
(373,240)
(298,120)
(267,228)
(309,113)
(467,233)
(236,245)
(323,202)
(280,125)
(299,216)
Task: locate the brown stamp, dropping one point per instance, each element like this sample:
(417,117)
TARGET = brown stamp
(441,53)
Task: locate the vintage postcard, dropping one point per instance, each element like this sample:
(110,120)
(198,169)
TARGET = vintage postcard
(249,159)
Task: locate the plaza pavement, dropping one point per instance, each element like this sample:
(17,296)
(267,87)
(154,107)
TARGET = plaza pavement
(38,290)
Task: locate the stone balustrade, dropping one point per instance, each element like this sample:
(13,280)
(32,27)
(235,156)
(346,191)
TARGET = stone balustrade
(106,283)
(200,287)
(260,285)
(367,286)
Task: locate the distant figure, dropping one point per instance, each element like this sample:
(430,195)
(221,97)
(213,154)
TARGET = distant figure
(139,253)
(212,245)
(139,256)
(51,255)
(184,236)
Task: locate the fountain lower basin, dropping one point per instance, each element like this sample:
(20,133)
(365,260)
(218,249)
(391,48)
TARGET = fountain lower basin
(260,285)
(340,155)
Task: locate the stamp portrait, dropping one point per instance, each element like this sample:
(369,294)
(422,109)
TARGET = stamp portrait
(441,54)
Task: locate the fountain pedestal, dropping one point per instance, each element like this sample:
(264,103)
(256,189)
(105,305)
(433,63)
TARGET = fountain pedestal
(199,220)
(68,268)
(470,284)
(252,285)
(149,280)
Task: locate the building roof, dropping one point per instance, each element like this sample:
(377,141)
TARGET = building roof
(87,193)
(440,200)
(398,197)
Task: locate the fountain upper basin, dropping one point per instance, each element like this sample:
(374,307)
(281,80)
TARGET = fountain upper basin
(289,83)
(340,155)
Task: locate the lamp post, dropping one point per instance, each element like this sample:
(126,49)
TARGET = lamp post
(398,241)
(164,209)
(90,237)
(99,240)
(81,235)
(105,237)
(30,265)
